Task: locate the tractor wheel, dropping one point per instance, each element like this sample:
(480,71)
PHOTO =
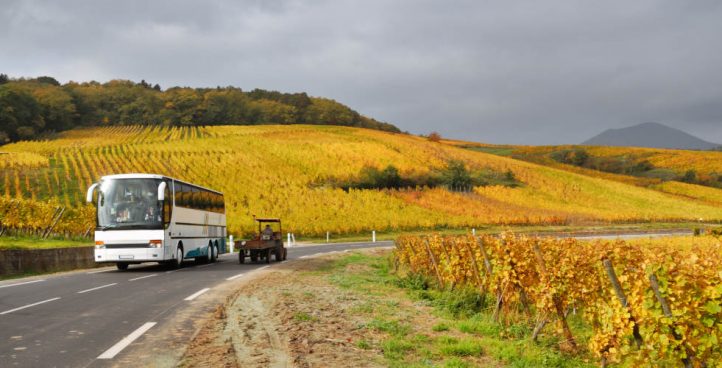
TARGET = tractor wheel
(254,256)
(268,255)
(242,257)
(278,254)
(285,253)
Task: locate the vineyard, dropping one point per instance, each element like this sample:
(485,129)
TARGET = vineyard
(289,171)
(651,302)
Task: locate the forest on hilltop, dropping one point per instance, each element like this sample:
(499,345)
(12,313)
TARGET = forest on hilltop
(31,108)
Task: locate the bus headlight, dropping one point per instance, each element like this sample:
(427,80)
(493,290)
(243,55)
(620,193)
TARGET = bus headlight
(155,244)
(99,244)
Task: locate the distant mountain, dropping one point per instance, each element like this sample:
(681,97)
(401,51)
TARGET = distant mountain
(652,135)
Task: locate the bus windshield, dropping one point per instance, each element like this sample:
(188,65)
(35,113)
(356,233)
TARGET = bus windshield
(129,204)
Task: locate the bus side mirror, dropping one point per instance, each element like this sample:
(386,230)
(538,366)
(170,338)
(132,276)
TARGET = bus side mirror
(161,191)
(89,194)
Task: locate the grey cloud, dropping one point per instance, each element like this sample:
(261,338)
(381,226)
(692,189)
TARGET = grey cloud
(498,71)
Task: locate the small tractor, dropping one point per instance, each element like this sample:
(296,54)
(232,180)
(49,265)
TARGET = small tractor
(266,243)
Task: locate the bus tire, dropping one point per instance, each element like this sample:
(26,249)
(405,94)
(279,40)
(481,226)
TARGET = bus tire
(122,266)
(214,253)
(178,262)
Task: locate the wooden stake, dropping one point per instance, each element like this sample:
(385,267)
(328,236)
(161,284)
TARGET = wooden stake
(433,262)
(622,299)
(555,299)
(474,265)
(668,313)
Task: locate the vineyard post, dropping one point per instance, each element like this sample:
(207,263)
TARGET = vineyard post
(523,298)
(487,263)
(433,262)
(622,299)
(55,213)
(555,299)
(50,229)
(668,313)
(448,261)
(475,267)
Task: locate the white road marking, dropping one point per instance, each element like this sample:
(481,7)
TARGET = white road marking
(206,265)
(21,283)
(96,288)
(196,294)
(171,271)
(306,256)
(122,344)
(99,271)
(260,268)
(143,277)
(235,277)
(28,306)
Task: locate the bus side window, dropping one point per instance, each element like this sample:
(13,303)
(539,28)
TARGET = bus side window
(195,198)
(177,195)
(167,206)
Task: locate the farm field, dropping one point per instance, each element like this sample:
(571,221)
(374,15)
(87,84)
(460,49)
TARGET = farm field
(649,301)
(290,171)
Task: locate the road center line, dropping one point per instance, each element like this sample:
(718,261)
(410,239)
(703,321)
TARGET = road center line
(235,277)
(96,288)
(143,277)
(21,283)
(28,306)
(196,294)
(122,344)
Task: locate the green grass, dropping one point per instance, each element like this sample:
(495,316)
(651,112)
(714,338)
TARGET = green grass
(304,317)
(26,242)
(460,332)
(499,150)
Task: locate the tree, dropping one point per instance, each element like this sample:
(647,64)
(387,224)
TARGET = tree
(456,176)
(4,78)
(48,80)
(689,177)
(434,137)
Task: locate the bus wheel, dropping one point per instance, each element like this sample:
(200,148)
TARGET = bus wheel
(178,262)
(122,266)
(214,253)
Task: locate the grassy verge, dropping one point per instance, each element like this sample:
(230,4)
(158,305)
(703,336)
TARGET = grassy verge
(412,326)
(596,229)
(23,242)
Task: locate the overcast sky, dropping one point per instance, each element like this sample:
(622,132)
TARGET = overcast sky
(525,72)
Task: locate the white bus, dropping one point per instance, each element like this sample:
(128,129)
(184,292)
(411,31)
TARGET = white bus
(154,218)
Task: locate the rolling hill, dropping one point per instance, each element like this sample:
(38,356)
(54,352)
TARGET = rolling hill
(291,171)
(651,135)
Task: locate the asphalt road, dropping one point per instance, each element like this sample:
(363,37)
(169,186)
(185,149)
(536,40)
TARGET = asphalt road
(88,318)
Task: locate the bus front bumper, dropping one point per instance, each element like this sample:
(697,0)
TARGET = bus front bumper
(129,255)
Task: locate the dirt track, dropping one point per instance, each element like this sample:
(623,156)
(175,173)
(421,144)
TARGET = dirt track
(283,317)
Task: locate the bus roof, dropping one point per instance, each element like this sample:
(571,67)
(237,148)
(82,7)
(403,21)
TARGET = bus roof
(154,176)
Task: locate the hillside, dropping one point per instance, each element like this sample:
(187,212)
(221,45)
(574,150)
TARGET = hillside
(34,108)
(291,171)
(651,135)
